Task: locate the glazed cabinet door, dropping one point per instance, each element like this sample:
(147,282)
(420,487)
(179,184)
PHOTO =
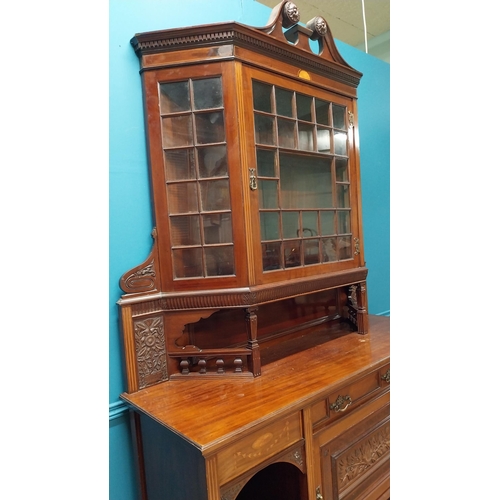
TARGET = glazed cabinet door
(303,175)
(193,141)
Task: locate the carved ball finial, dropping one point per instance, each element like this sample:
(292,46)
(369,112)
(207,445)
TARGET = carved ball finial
(291,15)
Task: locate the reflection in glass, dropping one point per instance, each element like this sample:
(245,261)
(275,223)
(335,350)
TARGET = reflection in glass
(342,196)
(185,230)
(311,251)
(286,133)
(264,129)
(322,112)
(219,261)
(207,93)
(309,223)
(215,195)
(174,97)
(268,193)
(261,96)
(284,99)
(329,246)
(265,163)
(291,226)
(269,225)
(217,228)
(306,182)
(324,141)
(341,172)
(344,247)
(306,136)
(271,256)
(187,262)
(212,161)
(304,105)
(177,131)
(344,218)
(340,143)
(327,219)
(293,252)
(179,164)
(182,197)
(339,116)
(210,127)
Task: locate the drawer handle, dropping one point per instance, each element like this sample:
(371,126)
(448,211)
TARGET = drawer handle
(387,376)
(319,496)
(339,402)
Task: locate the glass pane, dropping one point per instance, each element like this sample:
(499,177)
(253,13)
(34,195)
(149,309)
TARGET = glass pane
(305,182)
(262,97)
(219,261)
(179,164)
(212,161)
(293,252)
(268,194)
(344,247)
(306,136)
(207,93)
(343,196)
(215,195)
(324,141)
(329,249)
(271,256)
(322,114)
(338,116)
(341,172)
(269,226)
(182,197)
(187,262)
(210,127)
(304,104)
(264,129)
(217,229)
(311,251)
(185,230)
(344,218)
(327,222)
(177,131)
(340,143)
(284,100)
(174,97)
(291,226)
(309,224)
(265,163)
(286,135)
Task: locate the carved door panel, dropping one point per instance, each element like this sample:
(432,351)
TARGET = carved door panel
(355,464)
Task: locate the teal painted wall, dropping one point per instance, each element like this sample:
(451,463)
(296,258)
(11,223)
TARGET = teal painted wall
(130,217)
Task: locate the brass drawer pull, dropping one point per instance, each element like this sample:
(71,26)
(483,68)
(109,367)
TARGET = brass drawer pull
(319,496)
(387,376)
(339,402)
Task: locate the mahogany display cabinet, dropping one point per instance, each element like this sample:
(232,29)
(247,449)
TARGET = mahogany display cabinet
(253,368)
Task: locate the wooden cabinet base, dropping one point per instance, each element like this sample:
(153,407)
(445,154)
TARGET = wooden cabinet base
(314,426)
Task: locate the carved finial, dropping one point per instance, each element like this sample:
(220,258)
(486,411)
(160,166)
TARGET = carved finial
(318,26)
(291,15)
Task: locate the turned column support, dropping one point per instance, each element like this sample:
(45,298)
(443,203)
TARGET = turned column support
(362,315)
(251,322)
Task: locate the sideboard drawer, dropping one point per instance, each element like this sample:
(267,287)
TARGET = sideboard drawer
(258,446)
(344,399)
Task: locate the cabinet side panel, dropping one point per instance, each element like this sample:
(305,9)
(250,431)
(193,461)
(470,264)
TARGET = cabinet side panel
(174,468)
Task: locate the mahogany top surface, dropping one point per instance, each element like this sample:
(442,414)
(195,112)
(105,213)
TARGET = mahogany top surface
(208,412)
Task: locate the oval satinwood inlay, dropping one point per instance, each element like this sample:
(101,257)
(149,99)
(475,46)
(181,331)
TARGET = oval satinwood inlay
(262,441)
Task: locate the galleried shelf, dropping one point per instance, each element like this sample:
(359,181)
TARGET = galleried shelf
(257,245)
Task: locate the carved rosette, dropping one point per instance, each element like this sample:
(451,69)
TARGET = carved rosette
(150,350)
(291,14)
